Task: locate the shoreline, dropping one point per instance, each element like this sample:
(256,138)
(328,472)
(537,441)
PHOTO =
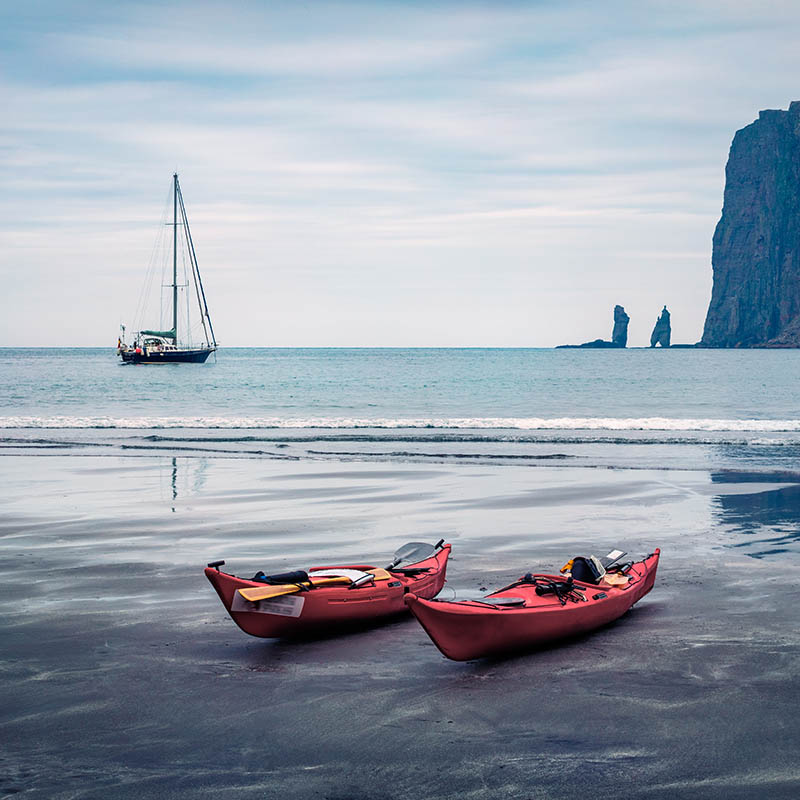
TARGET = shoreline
(768,452)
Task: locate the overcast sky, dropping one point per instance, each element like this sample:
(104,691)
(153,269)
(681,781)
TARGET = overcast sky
(373,173)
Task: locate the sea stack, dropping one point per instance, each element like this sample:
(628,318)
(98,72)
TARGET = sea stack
(755,301)
(619,337)
(663,331)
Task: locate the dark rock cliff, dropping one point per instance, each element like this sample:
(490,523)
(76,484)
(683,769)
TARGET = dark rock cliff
(755,301)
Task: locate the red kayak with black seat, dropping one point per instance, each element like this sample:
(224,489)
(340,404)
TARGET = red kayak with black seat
(534,610)
(323,598)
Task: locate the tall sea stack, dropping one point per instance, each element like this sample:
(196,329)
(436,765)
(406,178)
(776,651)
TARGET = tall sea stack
(755,301)
(662,332)
(619,336)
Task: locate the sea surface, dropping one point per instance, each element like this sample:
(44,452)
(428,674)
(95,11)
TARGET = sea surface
(692,408)
(525,389)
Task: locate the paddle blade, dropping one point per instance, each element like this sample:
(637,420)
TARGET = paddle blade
(614,555)
(255,593)
(412,552)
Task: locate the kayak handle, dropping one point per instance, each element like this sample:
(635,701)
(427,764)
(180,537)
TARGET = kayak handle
(216,564)
(438,544)
(362,580)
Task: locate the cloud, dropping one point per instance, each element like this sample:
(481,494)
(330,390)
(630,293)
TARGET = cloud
(151,49)
(506,150)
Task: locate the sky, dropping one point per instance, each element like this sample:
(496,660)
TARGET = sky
(377,174)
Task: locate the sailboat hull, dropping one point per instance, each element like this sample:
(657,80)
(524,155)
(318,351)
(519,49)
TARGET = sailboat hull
(167,356)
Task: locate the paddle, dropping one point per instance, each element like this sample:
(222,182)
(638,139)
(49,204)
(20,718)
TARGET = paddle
(608,559)
(414,552)
(329,577)
(255,593)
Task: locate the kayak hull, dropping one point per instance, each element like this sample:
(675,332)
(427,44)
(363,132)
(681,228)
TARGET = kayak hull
(471,629)
(328,607)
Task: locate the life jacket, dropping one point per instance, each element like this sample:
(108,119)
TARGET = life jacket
(584,569)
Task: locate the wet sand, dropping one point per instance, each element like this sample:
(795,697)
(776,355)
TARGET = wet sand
(124,677)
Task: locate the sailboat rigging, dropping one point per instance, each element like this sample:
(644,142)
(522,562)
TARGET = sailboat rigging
(165,346)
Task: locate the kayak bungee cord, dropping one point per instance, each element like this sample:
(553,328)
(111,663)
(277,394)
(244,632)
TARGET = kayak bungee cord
(563,589)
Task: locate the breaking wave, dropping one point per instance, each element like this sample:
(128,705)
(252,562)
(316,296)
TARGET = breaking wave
(455,423)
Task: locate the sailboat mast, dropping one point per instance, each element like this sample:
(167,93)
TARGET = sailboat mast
(175,257)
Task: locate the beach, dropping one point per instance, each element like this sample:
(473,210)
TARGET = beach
(123,676)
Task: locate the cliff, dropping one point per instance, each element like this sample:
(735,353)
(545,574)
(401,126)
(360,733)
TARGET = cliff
(755,301)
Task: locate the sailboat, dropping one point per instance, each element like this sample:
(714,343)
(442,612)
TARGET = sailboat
(165,346)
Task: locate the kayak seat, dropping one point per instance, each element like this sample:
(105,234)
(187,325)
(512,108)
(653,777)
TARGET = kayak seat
(585,571)
(500,602)
(503,601)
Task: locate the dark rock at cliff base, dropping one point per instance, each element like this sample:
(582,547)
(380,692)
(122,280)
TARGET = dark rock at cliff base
(755,301)
(619,336)
(663,331)
(788,337)
(597,343)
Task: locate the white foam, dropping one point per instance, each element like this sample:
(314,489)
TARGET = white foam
(511,423)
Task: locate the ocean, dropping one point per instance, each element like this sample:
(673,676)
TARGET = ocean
(526,389)
(643,408)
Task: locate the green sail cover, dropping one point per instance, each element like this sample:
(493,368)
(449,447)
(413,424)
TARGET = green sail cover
(162,334)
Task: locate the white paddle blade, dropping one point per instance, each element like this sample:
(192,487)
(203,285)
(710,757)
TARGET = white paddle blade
(412,553)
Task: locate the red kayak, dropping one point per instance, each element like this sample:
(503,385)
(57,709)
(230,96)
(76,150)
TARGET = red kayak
(532,611)
(326,597)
